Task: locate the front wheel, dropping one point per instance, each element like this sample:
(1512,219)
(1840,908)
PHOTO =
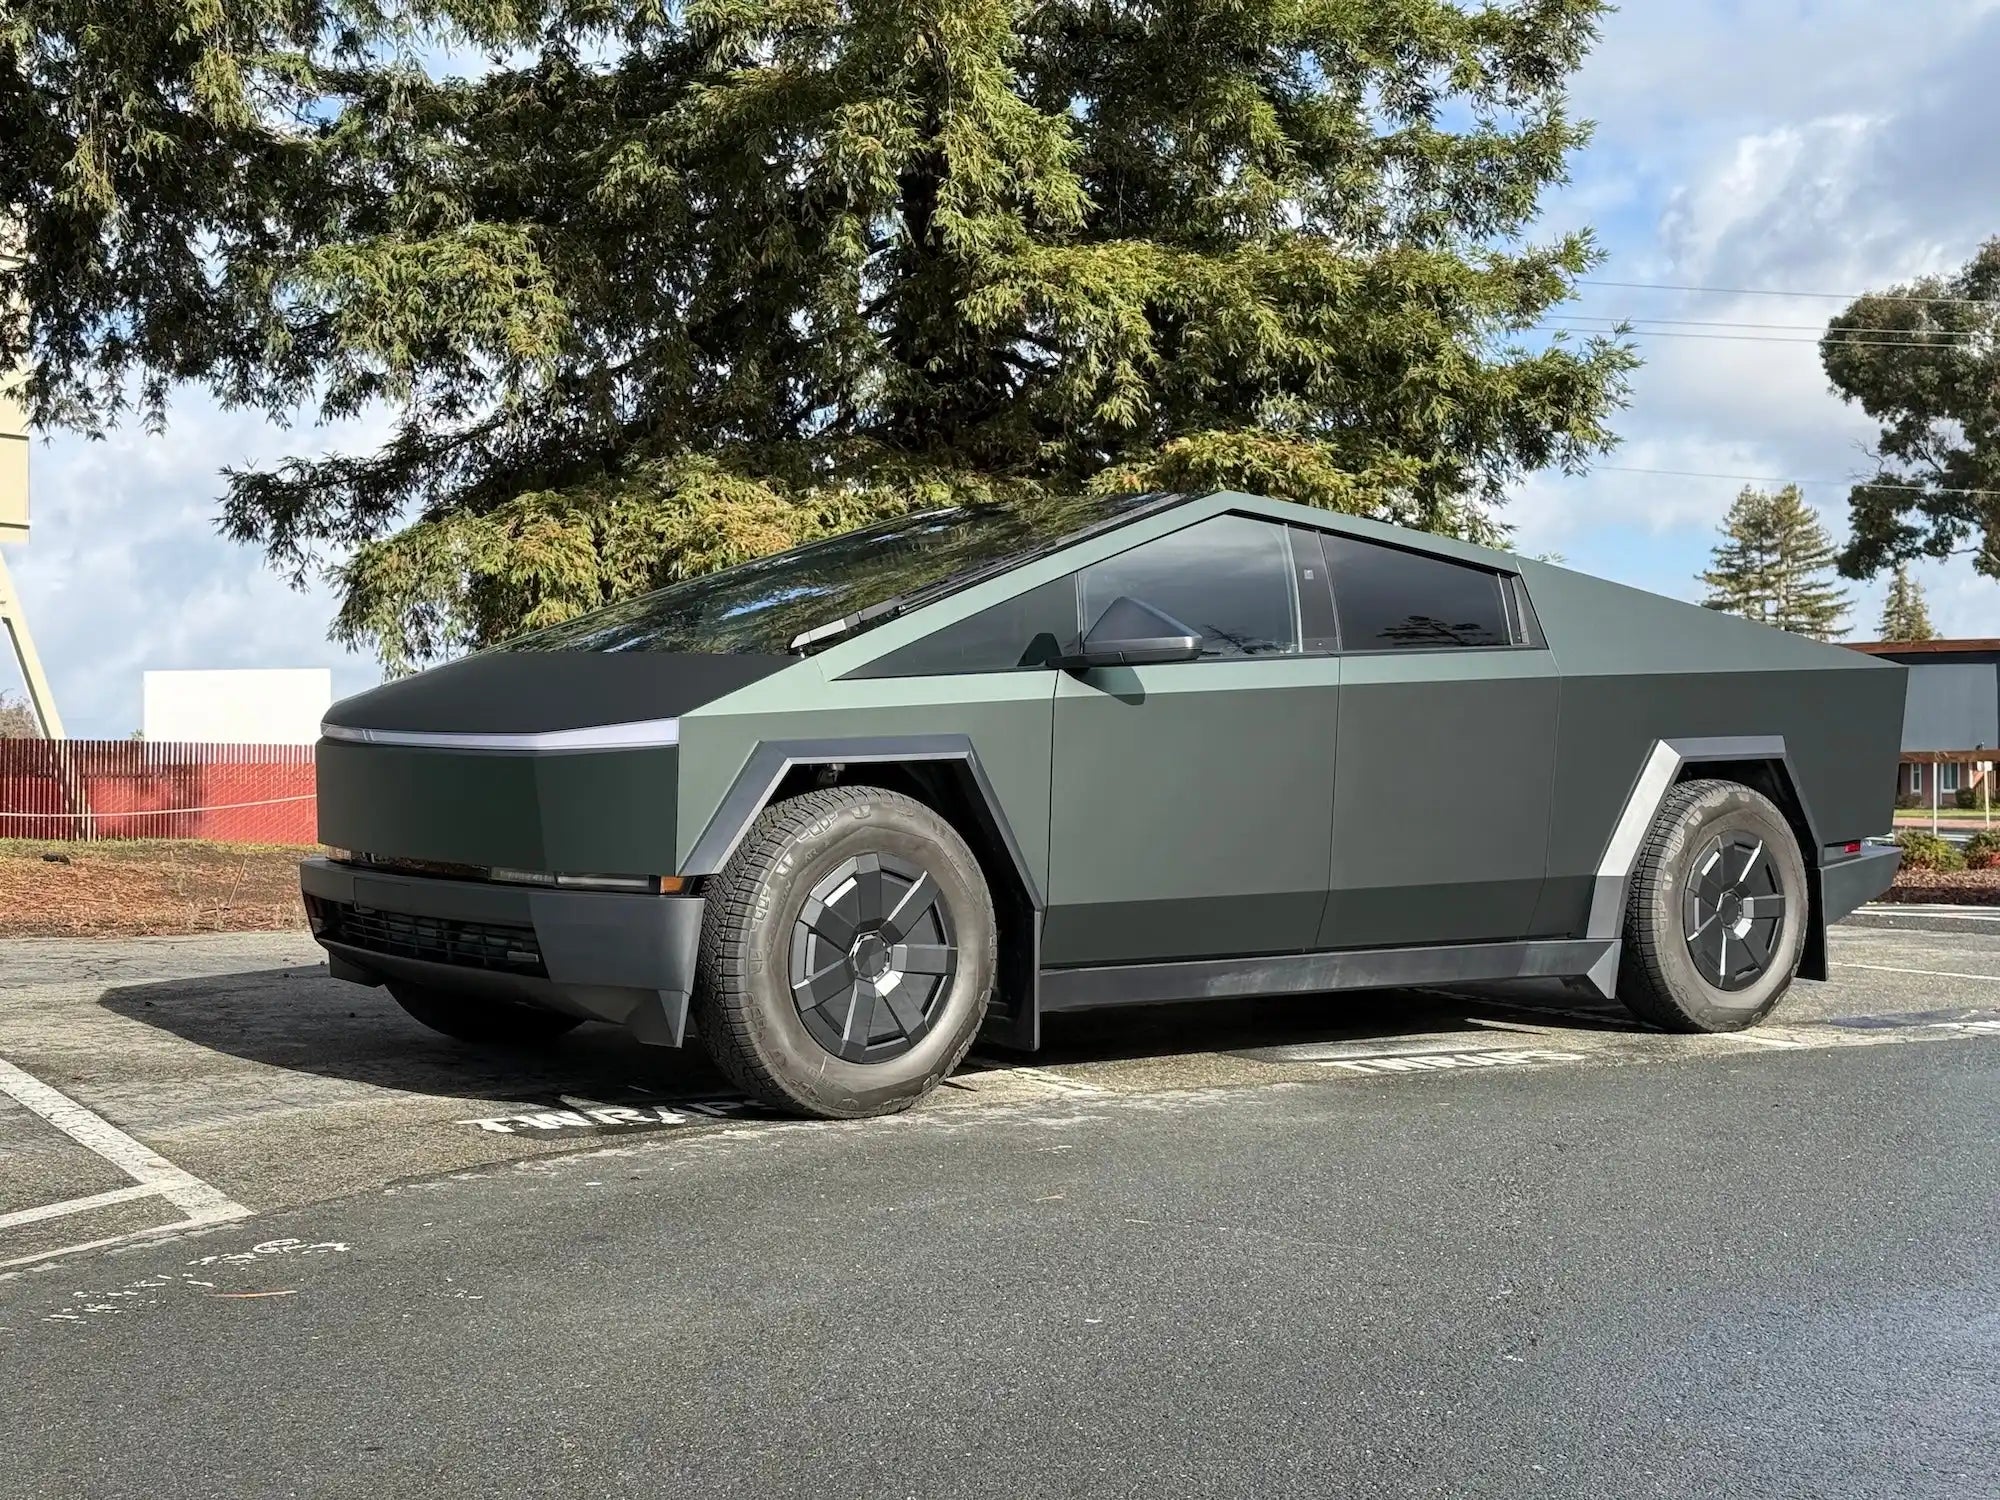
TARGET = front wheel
(1715,919)
(847,954)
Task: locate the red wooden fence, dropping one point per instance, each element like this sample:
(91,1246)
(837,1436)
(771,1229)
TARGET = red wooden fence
(136,789)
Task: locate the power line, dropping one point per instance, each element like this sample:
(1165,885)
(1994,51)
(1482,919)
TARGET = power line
(1858,484)
(1765,338)
(1765,291)
(1909,333)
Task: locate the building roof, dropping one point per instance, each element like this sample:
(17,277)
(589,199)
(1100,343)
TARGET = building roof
(1923,648)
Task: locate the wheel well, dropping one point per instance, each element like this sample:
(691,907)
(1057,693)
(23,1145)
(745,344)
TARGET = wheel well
(1774,780)
(950,789)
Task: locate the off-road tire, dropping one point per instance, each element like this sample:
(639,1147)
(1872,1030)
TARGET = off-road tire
(1659,978)
(476,1018)
(744,1007)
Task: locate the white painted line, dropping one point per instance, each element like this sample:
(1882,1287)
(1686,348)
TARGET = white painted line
(77,1205)
(1923,973)
(198,1202)
(1919,909)
(1477,1057)
(1044,1076)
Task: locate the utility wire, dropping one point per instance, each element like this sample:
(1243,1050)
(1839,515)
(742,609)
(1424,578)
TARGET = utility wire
(1914,333)
(1762,338)
(1858,484)
(1764,291)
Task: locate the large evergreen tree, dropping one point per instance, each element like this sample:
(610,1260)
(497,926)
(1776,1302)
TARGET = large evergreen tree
(669,285)
(1774,565)
(1923,359)
(1904,617)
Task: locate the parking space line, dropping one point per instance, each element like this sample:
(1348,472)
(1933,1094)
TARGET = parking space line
(152,1174)
(1047,1077)
(77,1205)
(1922,973)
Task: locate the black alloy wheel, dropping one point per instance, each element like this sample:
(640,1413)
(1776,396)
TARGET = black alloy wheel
(872,954)
(848,952)
(1716,910)
(1734,910)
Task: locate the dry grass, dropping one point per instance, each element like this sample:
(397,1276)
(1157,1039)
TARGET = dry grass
(146,887)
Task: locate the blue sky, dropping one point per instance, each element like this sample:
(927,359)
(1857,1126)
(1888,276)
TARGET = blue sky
(1793,145)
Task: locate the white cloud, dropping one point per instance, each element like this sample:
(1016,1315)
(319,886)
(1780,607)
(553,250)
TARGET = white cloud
(1820,147)
(126,570)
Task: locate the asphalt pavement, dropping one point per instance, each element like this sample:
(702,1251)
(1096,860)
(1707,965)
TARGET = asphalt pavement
(1406,1244)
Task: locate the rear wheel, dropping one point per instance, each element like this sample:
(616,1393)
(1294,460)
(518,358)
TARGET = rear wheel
(847,956)
(472,1018)
(1715,919)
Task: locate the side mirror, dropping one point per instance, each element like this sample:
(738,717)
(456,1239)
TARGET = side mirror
(1131,633)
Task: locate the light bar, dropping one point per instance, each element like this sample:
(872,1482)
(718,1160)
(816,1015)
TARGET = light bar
(641,734)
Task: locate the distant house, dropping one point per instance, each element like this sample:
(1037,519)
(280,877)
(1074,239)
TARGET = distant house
(1951,716)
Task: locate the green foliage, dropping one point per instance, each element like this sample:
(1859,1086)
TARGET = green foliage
(1926,851)
(1904,617)
(1982,850)
(666,286)
(1907,800)
(1926,370)
(1774,565)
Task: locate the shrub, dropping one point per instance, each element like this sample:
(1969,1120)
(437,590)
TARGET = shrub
(1982,850)
(1967,796)
(1926,851)
(1909,799)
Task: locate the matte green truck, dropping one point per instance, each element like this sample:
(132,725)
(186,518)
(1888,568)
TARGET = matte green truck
(849,806)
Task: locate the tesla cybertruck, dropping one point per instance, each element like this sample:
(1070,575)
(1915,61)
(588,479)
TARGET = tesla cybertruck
(840,810)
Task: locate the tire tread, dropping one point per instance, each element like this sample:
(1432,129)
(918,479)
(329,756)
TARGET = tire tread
(725,1010)
(1644,987)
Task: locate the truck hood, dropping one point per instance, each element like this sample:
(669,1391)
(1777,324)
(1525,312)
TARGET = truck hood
(544,692)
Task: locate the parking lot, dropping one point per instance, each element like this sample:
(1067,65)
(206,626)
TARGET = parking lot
(208,1147)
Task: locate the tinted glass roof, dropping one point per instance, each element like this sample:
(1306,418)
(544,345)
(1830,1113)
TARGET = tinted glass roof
(766,605)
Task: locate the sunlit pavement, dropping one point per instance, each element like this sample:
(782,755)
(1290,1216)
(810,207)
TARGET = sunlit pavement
(1385,1244)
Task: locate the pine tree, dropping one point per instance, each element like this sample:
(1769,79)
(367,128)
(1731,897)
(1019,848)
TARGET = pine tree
(1775,566)
(668,285)
(1904,617)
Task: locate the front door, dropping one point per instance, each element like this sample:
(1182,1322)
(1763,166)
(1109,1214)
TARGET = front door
(1190,802)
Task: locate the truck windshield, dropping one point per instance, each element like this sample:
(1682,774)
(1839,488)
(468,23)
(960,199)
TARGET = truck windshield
(765,605)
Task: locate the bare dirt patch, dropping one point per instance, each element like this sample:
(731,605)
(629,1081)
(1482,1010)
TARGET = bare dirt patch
(146,888)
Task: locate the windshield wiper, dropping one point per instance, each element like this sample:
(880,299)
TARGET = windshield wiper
(819,635)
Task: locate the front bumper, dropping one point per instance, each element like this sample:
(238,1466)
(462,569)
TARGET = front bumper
(600,955)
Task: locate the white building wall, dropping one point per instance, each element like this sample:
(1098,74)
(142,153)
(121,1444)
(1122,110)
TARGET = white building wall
(238,707)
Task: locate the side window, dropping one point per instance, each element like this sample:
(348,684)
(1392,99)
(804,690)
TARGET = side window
(1230,577)
(1387,599)
(1029,630)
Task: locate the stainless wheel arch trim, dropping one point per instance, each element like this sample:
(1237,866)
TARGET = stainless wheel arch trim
(771,760)
(1656,778)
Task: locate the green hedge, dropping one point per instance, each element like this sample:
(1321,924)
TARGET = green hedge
(1926,851)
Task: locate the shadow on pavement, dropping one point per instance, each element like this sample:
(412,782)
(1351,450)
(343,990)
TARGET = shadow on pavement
(300,1020)
(1356,1016)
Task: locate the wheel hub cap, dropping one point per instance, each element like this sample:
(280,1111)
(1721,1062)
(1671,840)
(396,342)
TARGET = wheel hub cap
(872,956)
(1733,907)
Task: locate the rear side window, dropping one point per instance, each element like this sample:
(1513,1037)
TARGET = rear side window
(1387,599)
(1230,578)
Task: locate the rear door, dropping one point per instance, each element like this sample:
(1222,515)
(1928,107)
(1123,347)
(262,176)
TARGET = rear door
(1190,802)
(1446,751)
